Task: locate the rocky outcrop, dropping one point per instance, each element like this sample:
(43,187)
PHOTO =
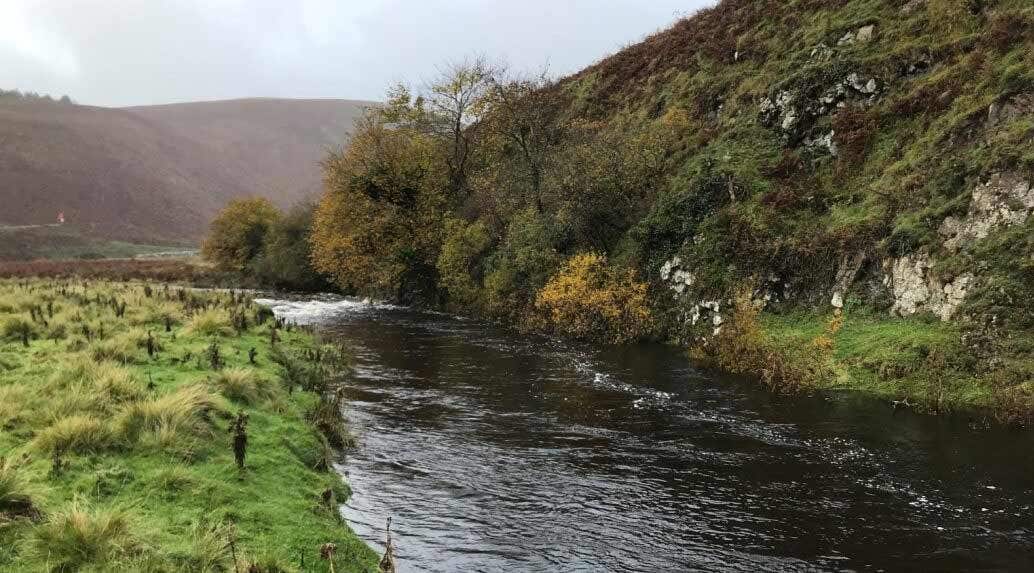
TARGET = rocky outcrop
(678,278)
(1017,106)
(846,274)
(861,36)
(1004,200)
(915,289)
(794,113)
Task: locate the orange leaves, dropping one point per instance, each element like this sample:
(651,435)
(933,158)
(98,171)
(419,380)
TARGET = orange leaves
(588,299)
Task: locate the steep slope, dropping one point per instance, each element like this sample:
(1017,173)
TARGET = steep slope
(826,193)
(160,173)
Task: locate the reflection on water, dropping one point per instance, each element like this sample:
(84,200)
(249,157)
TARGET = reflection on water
(497,452)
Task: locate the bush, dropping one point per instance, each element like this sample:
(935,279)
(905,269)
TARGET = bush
(244,385)
(589,300)
(81,536)
(238,233)
(457,264)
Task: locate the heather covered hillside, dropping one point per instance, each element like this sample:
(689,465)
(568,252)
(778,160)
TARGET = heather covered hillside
(158,174)
(822,193)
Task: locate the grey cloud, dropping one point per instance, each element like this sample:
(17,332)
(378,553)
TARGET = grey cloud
(130,52)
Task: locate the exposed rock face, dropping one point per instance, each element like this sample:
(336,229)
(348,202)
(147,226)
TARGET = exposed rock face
(1004,200)
(678,278)
(1016,106)
(846,274)
(794,113)
(915,290)
(861,35)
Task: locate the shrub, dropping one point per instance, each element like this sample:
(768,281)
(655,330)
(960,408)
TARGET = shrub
(212,322)
(587,299)
(457,264)
(740,347)
(244,385)
(81,536)
(238,233)
(76,433)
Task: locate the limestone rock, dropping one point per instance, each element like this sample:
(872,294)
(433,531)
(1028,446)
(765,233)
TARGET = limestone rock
(915,290)
(1004,200)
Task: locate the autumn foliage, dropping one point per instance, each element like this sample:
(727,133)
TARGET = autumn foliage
(587,299)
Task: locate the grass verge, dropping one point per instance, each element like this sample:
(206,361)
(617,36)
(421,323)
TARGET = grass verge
(115,434)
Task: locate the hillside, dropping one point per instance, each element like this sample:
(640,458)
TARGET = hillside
(159,173)
(822,193)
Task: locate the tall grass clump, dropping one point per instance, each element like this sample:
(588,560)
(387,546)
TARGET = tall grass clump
(120,349)
(211,322)
(169,418)
(76,434)
(244,385)
(209,548)
(82,536)
(16,492)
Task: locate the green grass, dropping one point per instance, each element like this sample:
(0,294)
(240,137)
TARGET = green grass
(68,242)
(114,460)
(921,360)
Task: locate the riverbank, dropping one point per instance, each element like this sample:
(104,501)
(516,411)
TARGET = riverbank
(916,363)
(117,402)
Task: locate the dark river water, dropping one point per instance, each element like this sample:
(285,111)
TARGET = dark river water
(499,452)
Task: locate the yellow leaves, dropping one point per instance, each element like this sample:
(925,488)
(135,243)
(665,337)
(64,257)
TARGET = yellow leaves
(381,213)
(238,232)
(588,299)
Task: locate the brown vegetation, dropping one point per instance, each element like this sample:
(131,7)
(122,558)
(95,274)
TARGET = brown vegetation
(160,173)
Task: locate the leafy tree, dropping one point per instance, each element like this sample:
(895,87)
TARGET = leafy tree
(238,233)
(285,259)
(378,227)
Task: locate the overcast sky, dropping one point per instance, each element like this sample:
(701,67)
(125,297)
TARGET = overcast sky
(133,52)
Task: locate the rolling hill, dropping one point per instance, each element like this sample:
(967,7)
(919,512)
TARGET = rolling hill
(158,174)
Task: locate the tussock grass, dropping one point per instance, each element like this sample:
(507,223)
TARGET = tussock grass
(211,322)
(120,349)
(170,418)
(115,426)
(209,548)
(16,492)
(75,434)
(244,385)
(82,536)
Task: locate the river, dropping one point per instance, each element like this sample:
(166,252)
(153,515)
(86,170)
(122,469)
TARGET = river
(499,452)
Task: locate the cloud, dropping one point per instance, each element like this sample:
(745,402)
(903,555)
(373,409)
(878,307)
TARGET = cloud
(125,52)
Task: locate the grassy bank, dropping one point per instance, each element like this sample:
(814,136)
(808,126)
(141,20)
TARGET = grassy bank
(117,403)
(918,362)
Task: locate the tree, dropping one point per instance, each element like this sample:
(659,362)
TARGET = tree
(285,260)
(238,233)
(378,226)
(449,111)
(522,129)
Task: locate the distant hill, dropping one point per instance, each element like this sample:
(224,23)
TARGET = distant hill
(159,173)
